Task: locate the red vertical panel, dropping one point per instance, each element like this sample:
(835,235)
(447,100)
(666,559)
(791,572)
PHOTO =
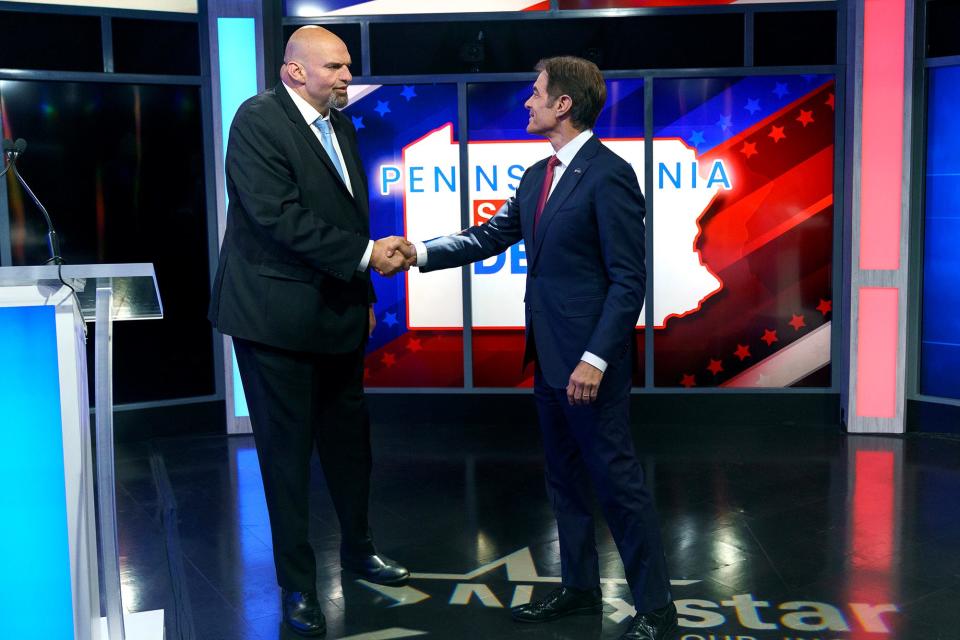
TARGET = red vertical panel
(877,352)
(881,166)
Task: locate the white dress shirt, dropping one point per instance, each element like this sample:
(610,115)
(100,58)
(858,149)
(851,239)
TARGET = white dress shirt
(310,115)
(565,155)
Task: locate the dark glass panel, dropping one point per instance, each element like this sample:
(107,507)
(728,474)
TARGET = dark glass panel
(640,42)
(943,25)
(156,46)
(50,42)
(795,38)
(120,168)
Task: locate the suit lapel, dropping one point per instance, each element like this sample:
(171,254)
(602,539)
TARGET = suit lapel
(571,177)
(309,136)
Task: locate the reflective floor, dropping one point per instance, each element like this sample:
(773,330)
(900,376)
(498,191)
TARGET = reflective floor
(771,533)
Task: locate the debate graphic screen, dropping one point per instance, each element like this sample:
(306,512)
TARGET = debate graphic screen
(392,121)
(741,215)
(639,4)
(309,8)
(744,176)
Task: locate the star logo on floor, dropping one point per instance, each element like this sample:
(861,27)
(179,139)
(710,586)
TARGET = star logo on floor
(737,613)
(521,572)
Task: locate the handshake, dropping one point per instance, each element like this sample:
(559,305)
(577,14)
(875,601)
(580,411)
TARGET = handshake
(392,255)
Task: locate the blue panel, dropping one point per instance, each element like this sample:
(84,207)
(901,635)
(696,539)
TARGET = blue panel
(237,41)
(940,348)
(34,542)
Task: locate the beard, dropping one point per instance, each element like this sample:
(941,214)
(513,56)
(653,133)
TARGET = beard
(337,101)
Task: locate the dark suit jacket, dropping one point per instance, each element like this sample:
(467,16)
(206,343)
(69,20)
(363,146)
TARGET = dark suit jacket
(287,275)
(585,267)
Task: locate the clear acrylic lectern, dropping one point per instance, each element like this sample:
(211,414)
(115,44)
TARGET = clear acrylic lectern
(43,324)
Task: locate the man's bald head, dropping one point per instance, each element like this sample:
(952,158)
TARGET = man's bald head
(316,66)
(309,40)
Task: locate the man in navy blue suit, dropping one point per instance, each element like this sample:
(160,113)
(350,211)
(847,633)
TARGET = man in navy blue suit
(580,213)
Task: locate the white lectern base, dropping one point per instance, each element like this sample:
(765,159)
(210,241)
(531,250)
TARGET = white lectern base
(143,625)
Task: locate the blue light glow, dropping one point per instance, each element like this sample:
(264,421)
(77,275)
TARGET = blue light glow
(237,41)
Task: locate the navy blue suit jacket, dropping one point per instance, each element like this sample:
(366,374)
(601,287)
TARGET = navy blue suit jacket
(585,265)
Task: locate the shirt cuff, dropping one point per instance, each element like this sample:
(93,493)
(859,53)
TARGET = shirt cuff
(365,260)
(596,361)
(421,253)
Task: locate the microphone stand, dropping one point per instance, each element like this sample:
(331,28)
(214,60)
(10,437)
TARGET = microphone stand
(13,151)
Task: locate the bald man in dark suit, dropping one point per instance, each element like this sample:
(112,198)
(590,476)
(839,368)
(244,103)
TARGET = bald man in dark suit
(293,289)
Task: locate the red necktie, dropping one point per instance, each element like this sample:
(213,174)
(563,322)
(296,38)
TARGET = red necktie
(545,190)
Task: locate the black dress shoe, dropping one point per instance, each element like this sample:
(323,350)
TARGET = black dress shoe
(660,624)
(302,613)
(564,601)
(376,568)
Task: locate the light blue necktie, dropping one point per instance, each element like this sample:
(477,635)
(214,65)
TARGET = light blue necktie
(327,141)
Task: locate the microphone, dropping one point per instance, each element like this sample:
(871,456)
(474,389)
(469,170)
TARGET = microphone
(12,151)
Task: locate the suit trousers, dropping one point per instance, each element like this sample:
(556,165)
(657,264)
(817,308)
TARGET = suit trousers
(592,444)
(298,402)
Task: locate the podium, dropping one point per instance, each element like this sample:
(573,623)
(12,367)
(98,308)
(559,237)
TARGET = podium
(49,584)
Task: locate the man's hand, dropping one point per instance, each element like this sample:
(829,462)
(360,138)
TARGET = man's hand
(392,255)
(409,252)
(373,322)
(584,384)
